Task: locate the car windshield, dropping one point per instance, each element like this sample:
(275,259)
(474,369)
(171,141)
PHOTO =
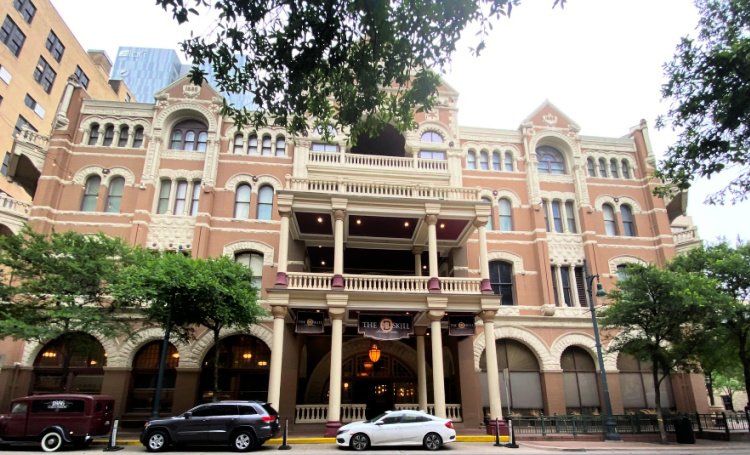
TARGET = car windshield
(376,418)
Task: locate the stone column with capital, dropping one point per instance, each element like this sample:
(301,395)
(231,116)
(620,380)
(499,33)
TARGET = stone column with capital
(433,284)
(493,377)
(281,278)
(421,368)
(334,391)
(438,383)
(484,266)
(417,251)
(277,350)
(338,249)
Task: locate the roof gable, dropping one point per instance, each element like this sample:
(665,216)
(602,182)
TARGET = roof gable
(549,116)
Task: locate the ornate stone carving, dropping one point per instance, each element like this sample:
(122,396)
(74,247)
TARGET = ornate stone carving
(565,248)
(191,91)
(168,232)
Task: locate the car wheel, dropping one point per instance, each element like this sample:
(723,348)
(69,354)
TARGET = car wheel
(432,441)
(360,441)
(243,441)
(51,441)
(157,441)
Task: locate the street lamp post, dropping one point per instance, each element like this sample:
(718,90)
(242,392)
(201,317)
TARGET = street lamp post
(162,365)
(610,433)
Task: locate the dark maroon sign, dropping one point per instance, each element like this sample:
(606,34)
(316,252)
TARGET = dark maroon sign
(459,326)
(385,327)
(309,322)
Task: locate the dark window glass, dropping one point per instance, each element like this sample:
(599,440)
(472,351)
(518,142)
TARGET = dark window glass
(94,134)
(194,200)
(12,36)
(508,162)
(6,164)
(501,280)
(81,77)
(189,135)
(29,101)
(266,149)
(280,146)
(109,134)
(496,161)
(614,171)
(26,8)
(506,215)
(252,145)
(602,167)
(625,169)
(138,138)
(124,133)
(21,122)
(628,226)
(247,410)
(590,168)
(565,279)
(54,46)
(164,190)
(239,144)
(44,74)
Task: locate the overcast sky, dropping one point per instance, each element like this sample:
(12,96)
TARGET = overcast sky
(599,61)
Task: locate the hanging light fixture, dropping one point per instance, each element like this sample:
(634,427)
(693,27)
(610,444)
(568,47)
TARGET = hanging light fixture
(374,353)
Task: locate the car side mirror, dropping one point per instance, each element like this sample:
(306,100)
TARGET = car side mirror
(379,423)
(188,415)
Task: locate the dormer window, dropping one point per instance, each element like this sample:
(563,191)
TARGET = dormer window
(189,135)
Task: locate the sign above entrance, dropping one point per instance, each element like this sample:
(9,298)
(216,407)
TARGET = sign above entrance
(309,322)
(459,326)
(380,327)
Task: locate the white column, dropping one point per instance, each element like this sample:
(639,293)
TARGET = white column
(277,351)
(421,369)
(558,280)
(334,391)
(573,286)
(493,377)
(338,248)
(283,260)
(484,266)
(434,282)
(417,261)
(438,383)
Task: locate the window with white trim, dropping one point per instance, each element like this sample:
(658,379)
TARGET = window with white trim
(508,162)
(501,280)
(628,224)
(505,211)
(550,160)
(471,160)
(265,202)
(114,194)
(242,201)
(610,225)
(253,261)
(90,193)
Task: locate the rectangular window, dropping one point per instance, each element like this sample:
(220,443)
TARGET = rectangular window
(81,76)
(196,196)
(553,273)
(580,286)
(570,215)
(54,46)
(6,164)
(557,216)
(12,36)
(565,279)
(180,198)
(437,155)
(321,147)
(166,188)
(26,8)
(5,75)
(22,122)
(34,106)
(44,74)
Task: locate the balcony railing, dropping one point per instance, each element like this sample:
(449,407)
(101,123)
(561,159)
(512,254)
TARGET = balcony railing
(377,162)
(382,189)
(382,283)
(318,413)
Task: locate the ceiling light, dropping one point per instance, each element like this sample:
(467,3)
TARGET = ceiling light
(406,224)
(442,225)
(359,221)
(320,219)
(322,262)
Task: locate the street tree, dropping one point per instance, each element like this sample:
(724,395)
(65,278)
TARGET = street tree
(59,286)
(332,60)
(730,267)
(660,316)
(708,86)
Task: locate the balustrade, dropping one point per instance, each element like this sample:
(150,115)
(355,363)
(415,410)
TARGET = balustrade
(318,413)
(384,189)
(382,283)
(377,161)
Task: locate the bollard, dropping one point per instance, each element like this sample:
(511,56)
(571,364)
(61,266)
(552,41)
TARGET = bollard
(284,445)
(112,444)
(497,433)
(511,433)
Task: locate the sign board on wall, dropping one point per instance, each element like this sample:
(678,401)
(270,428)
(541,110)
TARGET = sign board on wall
(385,327)
(309,322)
(460,325)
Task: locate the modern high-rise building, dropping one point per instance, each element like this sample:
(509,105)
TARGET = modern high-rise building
(38,55)
(408,271)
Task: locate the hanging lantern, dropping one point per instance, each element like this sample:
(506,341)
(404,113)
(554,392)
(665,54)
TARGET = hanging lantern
(374,353)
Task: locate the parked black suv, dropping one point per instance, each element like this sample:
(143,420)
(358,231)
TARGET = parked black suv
(243,425)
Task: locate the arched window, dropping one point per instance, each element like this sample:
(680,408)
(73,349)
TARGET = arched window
(488,226)
(265,202)
(508,162)
(551,161)
(613,170)
(109,135)
(432,137)
(252,145)
(90,193)
(114,196)
(189,135)
(625,169)
(266,149)
(242,202)
(579,381)
(138,137)
(244,362)
(164,191)
(180,198)
(628,226)
(506,215)
(637,385)
(195,198)
(280,146)
(81,372)
(622,271)
(496,166)
(525,385)
(610,226)
(602,167)
(471,160)
(93,134)
(254,261)
(144,374)
(501,280)
(124,133)
(239,144)
(483,164)
(570,215)
(590,167)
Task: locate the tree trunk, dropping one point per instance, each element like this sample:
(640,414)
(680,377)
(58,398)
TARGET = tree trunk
(710,387)
(657,401)
(216,364)
(742,338)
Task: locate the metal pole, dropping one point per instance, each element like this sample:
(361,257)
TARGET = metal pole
(284,445)
(610,433)
(162,365)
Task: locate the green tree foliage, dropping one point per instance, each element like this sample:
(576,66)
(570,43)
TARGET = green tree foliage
(730,267)
(179,293)
(661,316)
(708,85)
(331,59)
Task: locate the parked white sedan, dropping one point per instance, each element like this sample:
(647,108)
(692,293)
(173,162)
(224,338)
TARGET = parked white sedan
(396,428)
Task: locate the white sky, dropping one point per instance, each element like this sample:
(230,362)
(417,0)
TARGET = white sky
(599,61)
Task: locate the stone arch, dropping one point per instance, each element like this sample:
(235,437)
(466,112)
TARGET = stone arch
(181,111)
(238,179)
(120,172)
(515,259)
(561,142)
(197,351)
(320,374)
(267,180)
(629,201)
(487,194)
(515,200)
(79,178)
(175,174)
(605,199)
(586,342)
(250,245)
(131,346)
(619,260)
(437,128)
(31,349)
(533,342)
